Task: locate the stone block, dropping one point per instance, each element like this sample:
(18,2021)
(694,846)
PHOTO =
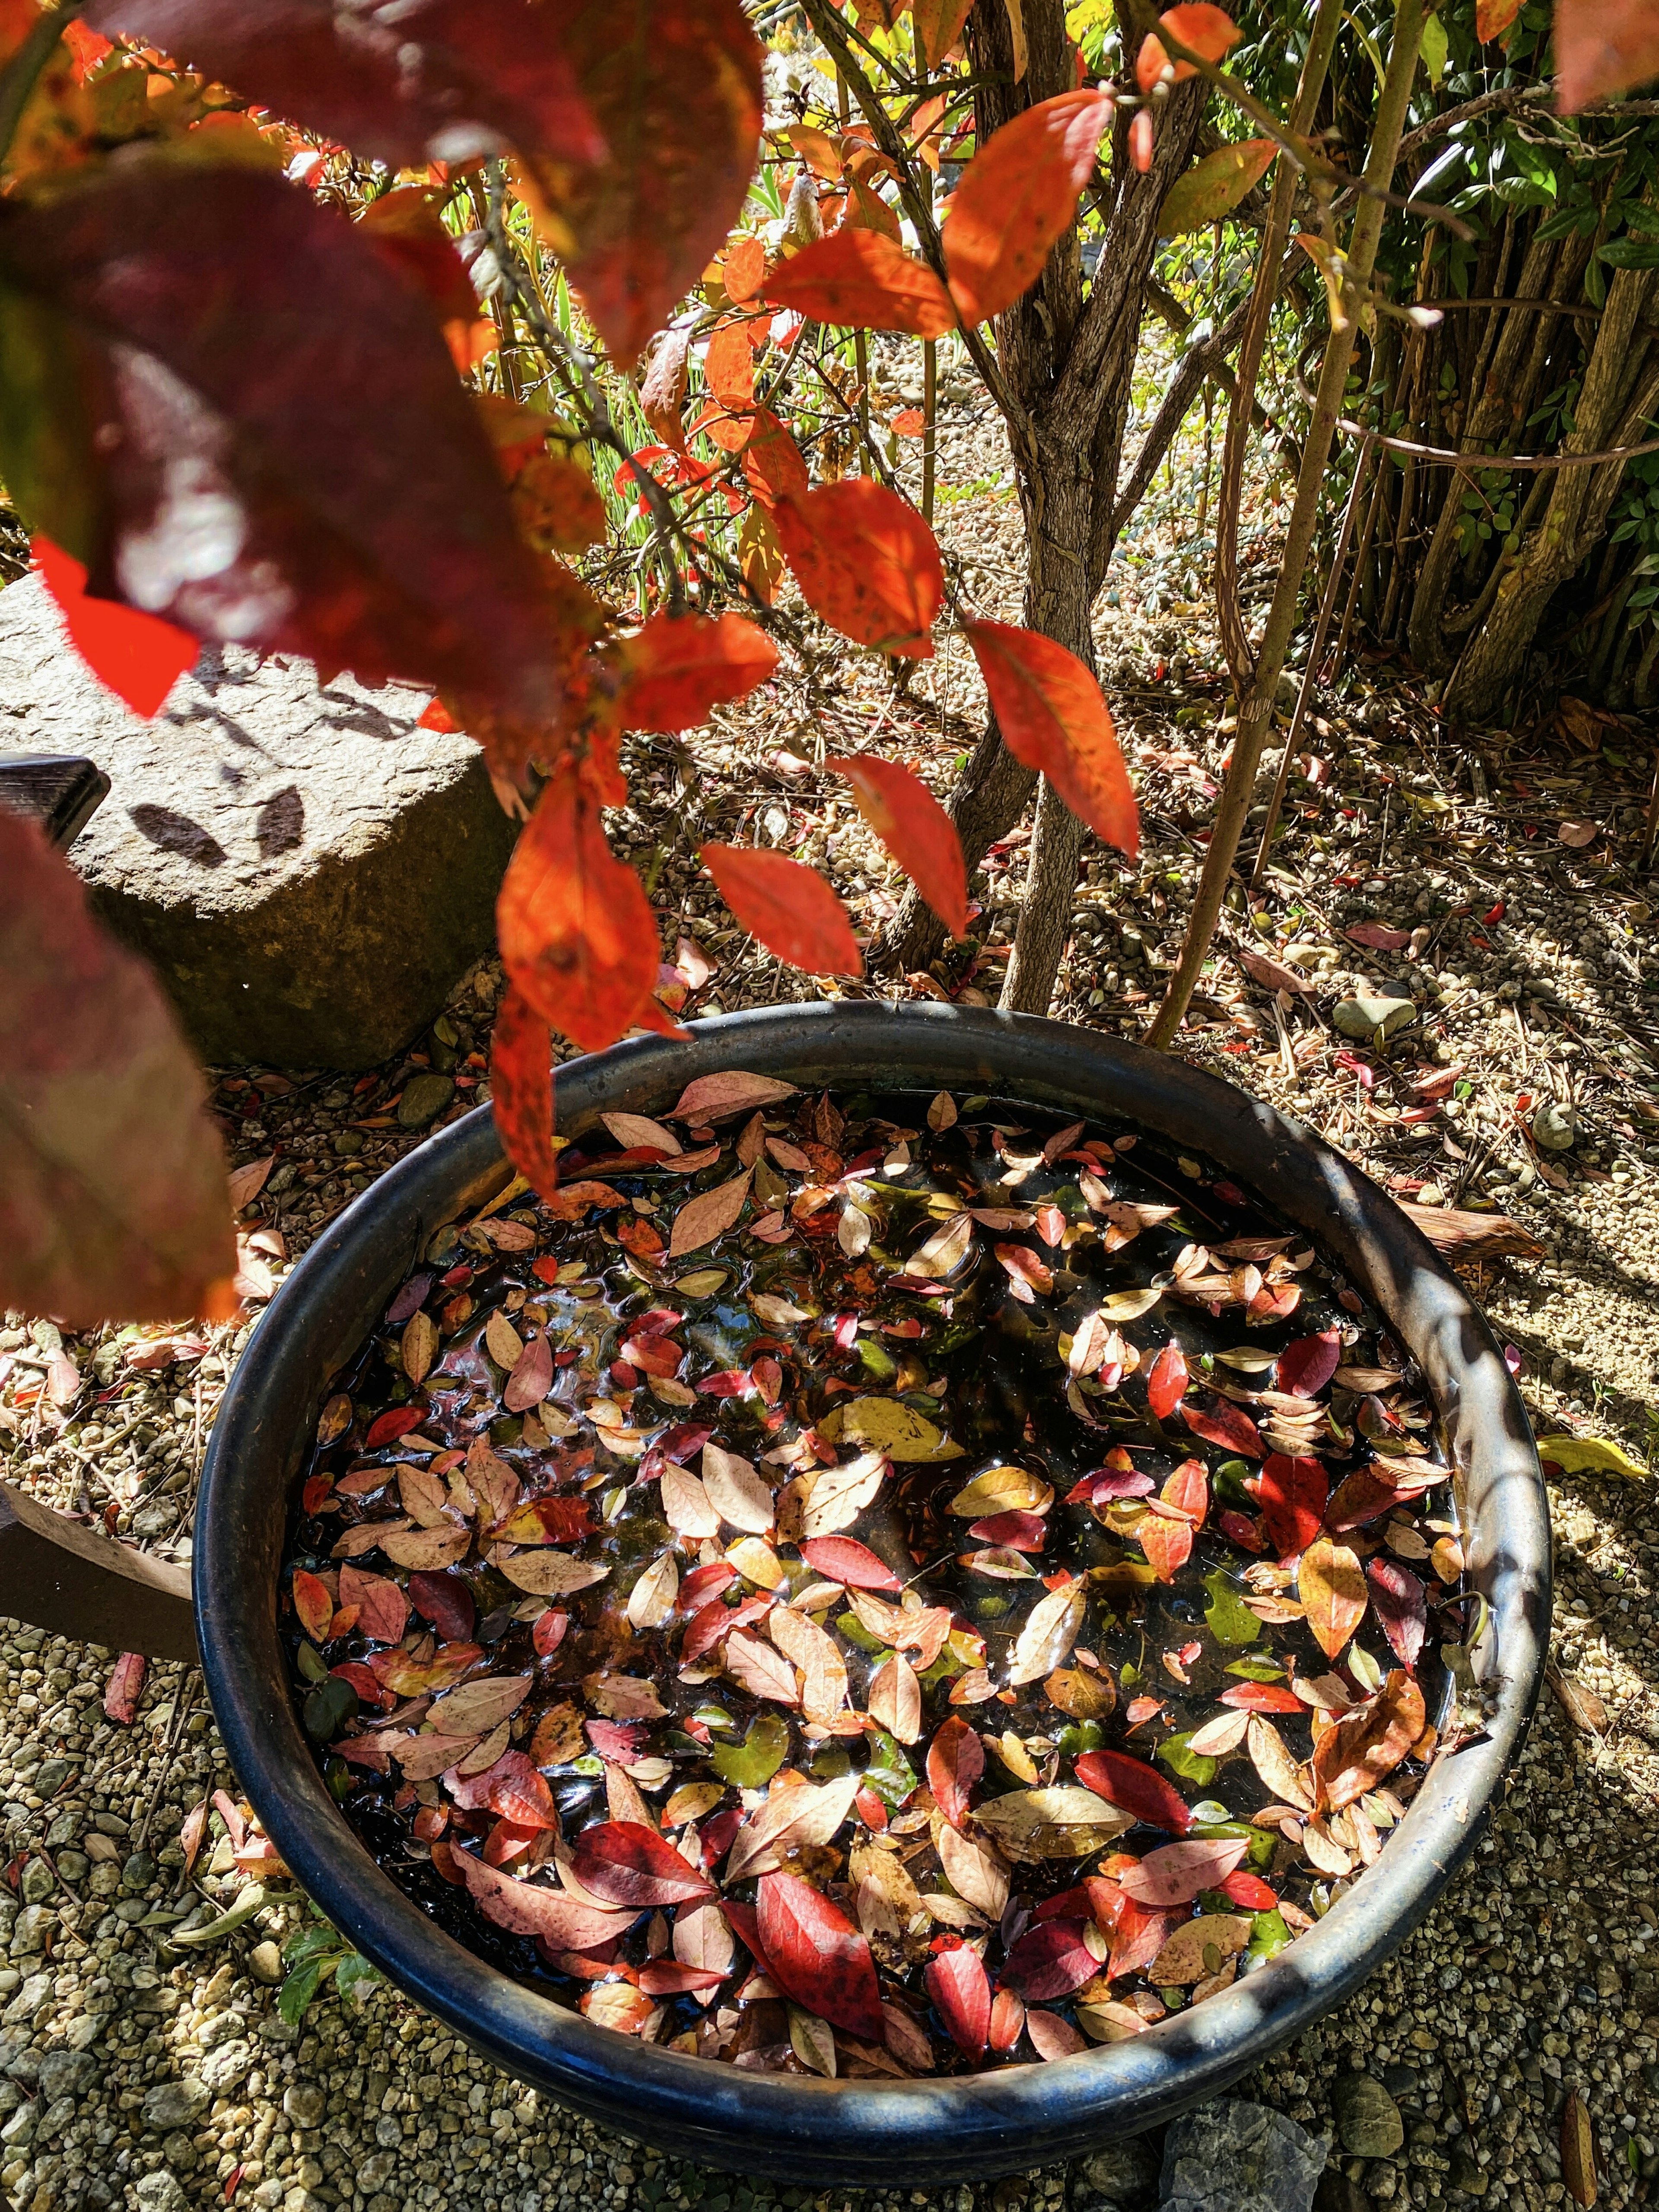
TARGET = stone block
(308,870)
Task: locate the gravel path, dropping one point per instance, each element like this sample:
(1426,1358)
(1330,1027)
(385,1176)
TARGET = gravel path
(139,2071)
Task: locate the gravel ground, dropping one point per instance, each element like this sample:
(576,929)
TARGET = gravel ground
(139,2071)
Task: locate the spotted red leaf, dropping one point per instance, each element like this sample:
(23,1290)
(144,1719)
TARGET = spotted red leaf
(521,1090)
(961,1991)
(1018,195)
(789,907)
(137,655)
(681,665)
(1221,1422)
(1053,718)
(864,280)
(625,1862)
(841,1560)
(1176,1873)
(816,1957)
(1050,1959)
(577,934)
(955,1760)
(518,1791)
(1134,1787)
(866,563)
(915,829)
(1292,1496)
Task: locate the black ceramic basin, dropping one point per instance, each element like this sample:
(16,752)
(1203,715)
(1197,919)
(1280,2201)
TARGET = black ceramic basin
(861,2132)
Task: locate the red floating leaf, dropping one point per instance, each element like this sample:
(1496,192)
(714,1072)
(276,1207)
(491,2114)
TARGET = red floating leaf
(520,1794)
(387,1428)
(1134,1787)
(1263,1698)
(957,1983)
(1249,1892)
(863,280)
(313,1605)
(445,1602)
(1400,1604)
(138,656)
(521,1091)
(1306,1366)
(627,1863)
(1365,1746)
(915,829)
(816,1956)
(1018,195)
(1177,1872)
(1167,1545)
(840,1559)
(1292,1494)
(577,934)
(112,1203)
(682,666)
(1008,2019)
(1053,719)
(526,1909)
(663,1977)
(866,563)
(1166,1385)
(1222,1423)
(955,1760)
(1050,1959)
(789,907)
(382,1608)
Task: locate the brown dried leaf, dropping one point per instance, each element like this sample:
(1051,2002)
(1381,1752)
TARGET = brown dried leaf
(895,1697)
(736,1491)
(1281,1777)
(1578,2150)
(419,1347)
(702,1218)
(824,1671)
(1334,1592)
(762,1672)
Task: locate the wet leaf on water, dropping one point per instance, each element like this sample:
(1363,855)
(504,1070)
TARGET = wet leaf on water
(1332,1591)
(1051,1628)
(1002,1489)
(1061,1822)
(957,1983)
(1200,1948)
(1281,1777)
(704,1217)
(1365,1747)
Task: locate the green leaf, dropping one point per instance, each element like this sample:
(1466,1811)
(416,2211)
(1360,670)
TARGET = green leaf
(889,1773)
(1257,1670)
(354,1973)
(1630,253)
(1212,187)
(1434,48)
(1269,1936)
(1226,1616)
(751,1764)
(299,1988)
(1181,1759)
(329,1707)
(308,1942)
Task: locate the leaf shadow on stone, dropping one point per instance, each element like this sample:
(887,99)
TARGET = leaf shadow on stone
(177,833)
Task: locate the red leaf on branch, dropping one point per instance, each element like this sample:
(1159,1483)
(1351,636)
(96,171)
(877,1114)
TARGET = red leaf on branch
(679,666)
(521,1091)
(1134,1787)
(138,656)
(365,523)
(772,462)
(1293,1494)
(1166,1385)
(864,281)
(1053,719)
(957,1983)
(955,1760)
(866,563)
(1204,30)
(625,1862)
(728,369)
(1018,195)
(938,26)
(743,270)
(816,1956)
(577,934)
(789,907)
(114,1205)
(915,829)
(842,1560)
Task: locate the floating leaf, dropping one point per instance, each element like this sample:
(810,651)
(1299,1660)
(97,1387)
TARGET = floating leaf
(1061,1822)
(1293,1495)
(1177,1873)
(890,1427)
(1199,1949)
(895,1699)
(706,1217)
(736,1491)
(840,1560)
(1364,1747)
(1280,1776)
(1051,1629)
(957,1983)
(751,1764)
(1000,1490)
(1220,1422)
(1166,1382)
(1137,1788)
(717,1097)
(1050,1959)
(1400,1604)
(955,1760)
(527,1909)
(625,1863)
(1306,1366)
(816,1955)
(1332,1590)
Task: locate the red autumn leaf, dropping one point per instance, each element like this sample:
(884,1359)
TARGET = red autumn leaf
(1602,47)
(842,1560)
(1400,1604)
(577,934)
(124,1689)
(789,907)
(1188,1490)
(958,1986)
(1018,195)
(1364,1748)
(445,1602)
(1142,138)
(1134,1787)
(938,26)
(519,1793)
(521,1091)
(772,462)
(816,1957)
(528,1909)
(1249,1892)
(728,368)
(1053,719)
(313,1605)
(1222,1423)
(1204,30)
(663,1977)
(679,666)
(549,1631)
(1026,1273)
(616,1739)
(1050,1959)
(112,1203)
(1263,1698)
(1293,1495)
(625,1862)
(1306,1366)
(866,563)
(1015,1530)
(955,1759)
(138,656)
(915,829)
(365,522)
(1176,1873)
(387,1428)
(1007,2019)
(861,279)
(743,270)
(1366,1495)
(382,1609)
(1166,1385)
(1168,1544)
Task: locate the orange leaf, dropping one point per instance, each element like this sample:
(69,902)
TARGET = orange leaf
(1053,719)
(313,1605)
(790,908)
(576,932)
(1364,1749)
(1018,195)
(760,554)
(1333,1592)
(728,367)
(1603,48)
(772,461)
(521,1091)
(138,656)
(908,423)
(1203,30)
(680,666)
(915,829)
(742,269)
(867,210)
(816,148)
(862,278)
(1493,17)
(1168,1544)
(866,563)
(938,26)
(557,505)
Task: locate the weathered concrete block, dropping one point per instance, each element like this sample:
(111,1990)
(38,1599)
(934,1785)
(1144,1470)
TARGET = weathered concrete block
(308,871)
